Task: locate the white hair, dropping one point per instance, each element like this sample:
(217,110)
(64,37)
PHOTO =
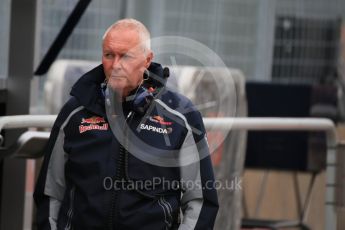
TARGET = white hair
(130,23)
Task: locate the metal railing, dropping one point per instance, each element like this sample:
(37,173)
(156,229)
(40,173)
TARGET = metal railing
(295,124)
(262,124)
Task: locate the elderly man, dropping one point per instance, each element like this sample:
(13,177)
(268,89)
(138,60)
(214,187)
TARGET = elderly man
(125,152)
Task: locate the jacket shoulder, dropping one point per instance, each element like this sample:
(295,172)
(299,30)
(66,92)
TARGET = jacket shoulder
(178,102)
(185,107)
(67,109)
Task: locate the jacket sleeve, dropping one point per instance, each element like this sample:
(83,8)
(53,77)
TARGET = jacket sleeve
(50,186)
(199,200)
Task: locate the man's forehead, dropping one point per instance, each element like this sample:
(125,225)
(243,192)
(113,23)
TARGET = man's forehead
(124,34)
(122,39)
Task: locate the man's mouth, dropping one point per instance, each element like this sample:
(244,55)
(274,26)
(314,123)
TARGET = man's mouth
(117,77)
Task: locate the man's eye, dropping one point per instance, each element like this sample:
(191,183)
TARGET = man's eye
(126,56)
(108,55)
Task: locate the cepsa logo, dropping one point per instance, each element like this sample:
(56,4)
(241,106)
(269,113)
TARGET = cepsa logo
(92,123)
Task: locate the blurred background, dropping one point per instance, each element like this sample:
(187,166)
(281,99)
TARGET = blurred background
(287,58)
(268,40)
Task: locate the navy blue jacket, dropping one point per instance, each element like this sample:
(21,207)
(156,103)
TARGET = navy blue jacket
(120,169)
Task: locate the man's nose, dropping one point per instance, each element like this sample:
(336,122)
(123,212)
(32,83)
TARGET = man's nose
(117,63)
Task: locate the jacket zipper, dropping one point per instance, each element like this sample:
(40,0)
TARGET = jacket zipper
(70,210)
(120,174)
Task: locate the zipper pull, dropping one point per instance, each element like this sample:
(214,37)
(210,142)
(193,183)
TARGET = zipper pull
(129,114)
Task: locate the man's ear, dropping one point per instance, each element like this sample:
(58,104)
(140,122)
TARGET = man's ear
(149,58)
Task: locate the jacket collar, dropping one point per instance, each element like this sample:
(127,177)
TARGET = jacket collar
(88,92)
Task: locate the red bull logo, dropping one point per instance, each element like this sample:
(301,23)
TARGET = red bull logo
(160,120)
(92,120)
(93,123)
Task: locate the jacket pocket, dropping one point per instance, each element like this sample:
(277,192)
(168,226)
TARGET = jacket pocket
(70,210)
(167,210)
(170,208)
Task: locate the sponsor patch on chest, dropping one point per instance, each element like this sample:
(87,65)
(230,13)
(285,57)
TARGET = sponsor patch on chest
(156,129)
(92,123)
(160,120)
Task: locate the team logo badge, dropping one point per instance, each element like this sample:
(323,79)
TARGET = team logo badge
(160,120)
(156,129)
(92,123)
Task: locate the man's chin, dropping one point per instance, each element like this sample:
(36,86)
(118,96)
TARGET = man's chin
(116,88)
(117,83)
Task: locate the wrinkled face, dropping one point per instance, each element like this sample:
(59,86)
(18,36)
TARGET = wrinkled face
(124,59)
